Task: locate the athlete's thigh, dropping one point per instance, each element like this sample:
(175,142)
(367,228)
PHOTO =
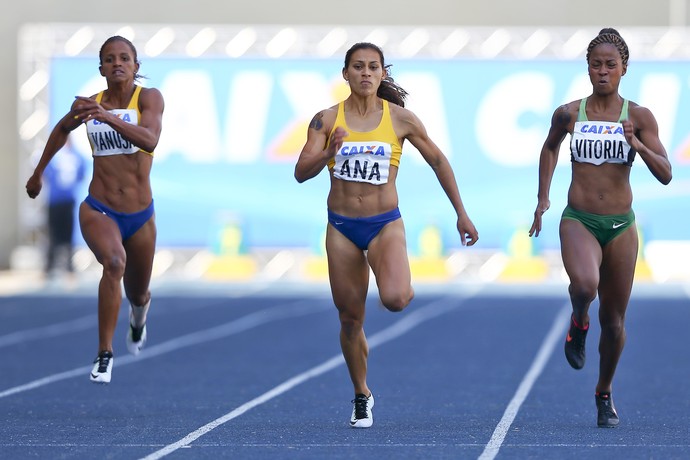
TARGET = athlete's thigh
(348,272)
(618,269)
(101,233)
(580,251)
(141,249)
(388,257)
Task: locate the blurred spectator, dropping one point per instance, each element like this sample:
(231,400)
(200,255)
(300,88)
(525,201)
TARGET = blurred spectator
(62,176)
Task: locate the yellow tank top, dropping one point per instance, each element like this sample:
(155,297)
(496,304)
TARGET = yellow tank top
(366,156)
(107,141)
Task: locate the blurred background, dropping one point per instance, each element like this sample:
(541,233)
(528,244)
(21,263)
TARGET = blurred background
(241,82)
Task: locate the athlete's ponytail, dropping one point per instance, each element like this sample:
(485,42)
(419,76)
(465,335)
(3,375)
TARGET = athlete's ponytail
(391,91)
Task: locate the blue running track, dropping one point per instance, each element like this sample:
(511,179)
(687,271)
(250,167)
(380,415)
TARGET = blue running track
(466,372)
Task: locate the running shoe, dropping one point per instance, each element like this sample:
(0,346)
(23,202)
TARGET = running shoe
(102,367)
(575,345)
(607,417)
(362,417)
(136,337)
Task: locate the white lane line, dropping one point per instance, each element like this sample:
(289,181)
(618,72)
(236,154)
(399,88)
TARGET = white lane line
(242,324)
(594,447)
(397,329)
(555,334)
(45,332)
(87,322)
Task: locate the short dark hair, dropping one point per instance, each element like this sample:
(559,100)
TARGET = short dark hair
(116,38)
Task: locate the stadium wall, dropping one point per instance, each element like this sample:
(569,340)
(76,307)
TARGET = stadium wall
(459,13)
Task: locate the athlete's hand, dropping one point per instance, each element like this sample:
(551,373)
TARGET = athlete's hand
(468,233)
(88,109)
(34,185)
(542,207)
(630,137)
(337,138)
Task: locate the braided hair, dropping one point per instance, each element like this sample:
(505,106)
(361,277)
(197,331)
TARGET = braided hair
(389,89)
(610,36)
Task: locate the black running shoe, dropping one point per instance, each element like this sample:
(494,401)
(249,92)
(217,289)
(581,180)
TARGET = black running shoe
(362,417)
(607,417)
(575,345)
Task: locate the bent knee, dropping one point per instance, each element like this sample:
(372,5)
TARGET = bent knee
(114,265)
(583,290)
(139,300)
(397,303)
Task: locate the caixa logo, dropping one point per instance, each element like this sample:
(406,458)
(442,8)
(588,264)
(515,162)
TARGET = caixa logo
(124,116)
(349,150)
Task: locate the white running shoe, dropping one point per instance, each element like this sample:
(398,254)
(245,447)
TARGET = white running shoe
(102,367)
(362,416)
(136,338)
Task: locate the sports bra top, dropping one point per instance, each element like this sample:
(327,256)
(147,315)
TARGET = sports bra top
(105,140)
(366,156)
(598,142)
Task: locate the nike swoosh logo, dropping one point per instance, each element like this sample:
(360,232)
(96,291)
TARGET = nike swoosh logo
(568,338)
(353,423)
(619,225)
(94,376)
(338,223)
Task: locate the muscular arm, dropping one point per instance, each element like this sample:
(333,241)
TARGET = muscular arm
(315,155)
(151,123)
(642,133)
(416,133)
(56,140)
(561,121)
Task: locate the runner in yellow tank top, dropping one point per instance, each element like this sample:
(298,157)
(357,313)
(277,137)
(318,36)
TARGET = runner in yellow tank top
(117,219)
(360,140)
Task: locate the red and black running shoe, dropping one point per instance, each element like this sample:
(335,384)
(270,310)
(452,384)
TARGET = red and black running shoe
(607,417)
(575,344)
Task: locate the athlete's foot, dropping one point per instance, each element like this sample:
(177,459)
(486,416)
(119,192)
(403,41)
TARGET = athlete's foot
(575,344)
(362,416)
(607,417)
(102,367)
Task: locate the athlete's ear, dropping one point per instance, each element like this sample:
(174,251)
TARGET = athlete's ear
(100,69)
(625,69)
(345,75)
